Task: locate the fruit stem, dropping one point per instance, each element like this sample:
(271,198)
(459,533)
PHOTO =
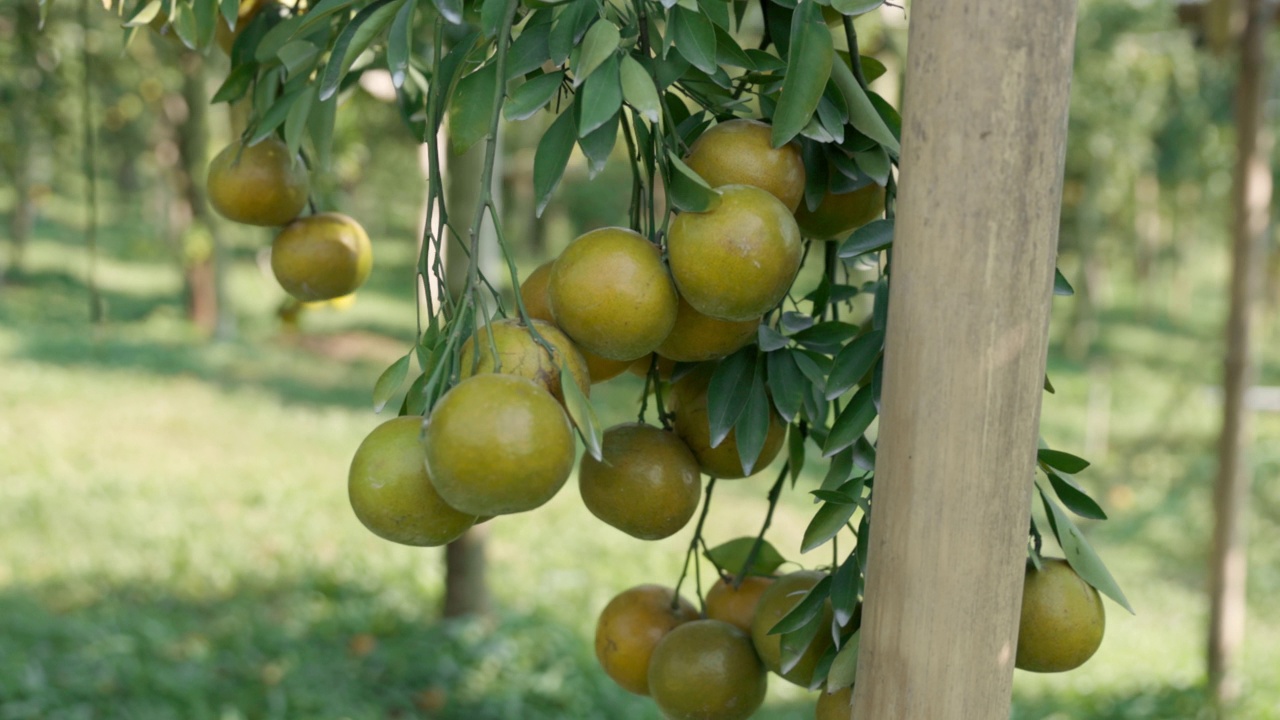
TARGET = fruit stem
(693,549)
(855,59)
(775,492)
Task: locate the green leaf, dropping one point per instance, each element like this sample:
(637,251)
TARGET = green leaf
(532,96)
(728,52)
(491,14)
(826,523)
(853,362)
(320,127)
(872,68)
(296,121)
(728,392)
(1060,284)
(770,339)
(638,89)
(793,322)
(529,51)
(355,37)
(717,11)
(1048,386)
(145,13)
(274,116)
(875,163)
(695,38)
(827,337)
(689,192)
(1066,462)
(206,18)
(446,75)
(314,16)
(400,43)
(598,144)
(582,414)
(875,236)
(880,310)
(415,399)
(853,421)
(809,64)
(569,28)
(805,610)
(183,22)
(230,11)
(752,427)
(552,156)
(862,114)
(389,381)
(787,383)
(855,7)
(298,55)
(844,669)
(1079,554)
(451,10)
(237,83)
(471,108)
(815,367)
(732,555)
(600,97)
(839,470)
(795,452)
(833,496)
(1075,498)
(844,590)
(599,44)
(795,644)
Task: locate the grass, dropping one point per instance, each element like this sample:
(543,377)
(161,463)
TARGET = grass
(175,539)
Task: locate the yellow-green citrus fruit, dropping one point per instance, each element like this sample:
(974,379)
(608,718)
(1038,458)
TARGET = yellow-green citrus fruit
(610,292)
(321,257)
(776,602)
(259,184)
(839,214)
(707,670)
(741,152)
(688,400)
(737,260)
(697,337)
(391,493)
(533,291)
(498,444)
(834,706)
(736,606)
(1062,619)
(631,626)
(647,484)
(519,354)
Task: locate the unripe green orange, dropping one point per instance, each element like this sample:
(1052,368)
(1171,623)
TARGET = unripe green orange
(259,184)
(322,257)
(741,152)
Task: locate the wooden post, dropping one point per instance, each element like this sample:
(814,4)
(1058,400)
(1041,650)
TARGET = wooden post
(983,147)
(1250,202)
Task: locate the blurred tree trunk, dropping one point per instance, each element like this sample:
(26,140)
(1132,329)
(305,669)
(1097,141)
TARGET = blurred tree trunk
(201,249)
(1251,199)
(466,590)
(22,220)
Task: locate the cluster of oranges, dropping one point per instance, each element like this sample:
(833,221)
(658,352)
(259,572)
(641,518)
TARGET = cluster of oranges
(716,664)
(315,258)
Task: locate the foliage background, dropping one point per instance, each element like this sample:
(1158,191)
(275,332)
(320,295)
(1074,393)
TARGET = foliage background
(174,533)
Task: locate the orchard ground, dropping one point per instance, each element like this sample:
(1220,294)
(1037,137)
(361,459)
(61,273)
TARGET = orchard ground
(175,538)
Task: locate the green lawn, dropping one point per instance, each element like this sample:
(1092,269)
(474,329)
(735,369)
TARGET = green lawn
(175,540)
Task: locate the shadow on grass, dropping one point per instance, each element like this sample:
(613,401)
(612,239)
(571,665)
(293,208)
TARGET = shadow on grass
(1162,702)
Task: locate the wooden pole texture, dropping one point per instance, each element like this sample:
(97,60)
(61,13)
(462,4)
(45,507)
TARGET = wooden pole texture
(983,147)
(1251,200)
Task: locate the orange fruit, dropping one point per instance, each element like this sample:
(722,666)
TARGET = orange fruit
(697,337)
(498,444)
(839,214)
(631,626)
(776,602)
(647,484)
(737,260)
(321,257)
(688,400)
(836,705)
(259,184)
(736,606)
(533,291)
(707,670)
(391,492)
(1062,620)
(741,152)
(519,354)
(610,292)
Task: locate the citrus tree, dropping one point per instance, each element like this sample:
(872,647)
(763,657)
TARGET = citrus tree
(756,148)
